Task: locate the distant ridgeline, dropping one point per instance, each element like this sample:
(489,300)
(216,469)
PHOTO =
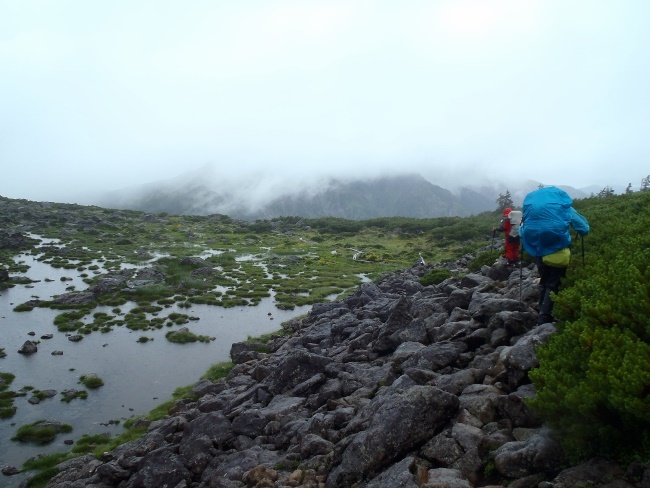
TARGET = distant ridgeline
(394,196)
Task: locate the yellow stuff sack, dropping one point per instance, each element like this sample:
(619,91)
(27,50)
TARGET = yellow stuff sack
(558,259)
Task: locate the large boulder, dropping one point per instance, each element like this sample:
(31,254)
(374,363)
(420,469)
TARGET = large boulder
(298,366)
(484,305)
(402,422)
(388,338)
(28,348)
(540,453)
(161,468)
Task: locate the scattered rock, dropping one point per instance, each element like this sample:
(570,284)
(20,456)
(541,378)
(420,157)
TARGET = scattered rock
(397,385)
(10,470)
(28,348)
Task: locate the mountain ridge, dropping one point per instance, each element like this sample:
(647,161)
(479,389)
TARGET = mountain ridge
(400,195)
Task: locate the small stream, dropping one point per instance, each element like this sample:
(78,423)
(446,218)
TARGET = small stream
(137,376)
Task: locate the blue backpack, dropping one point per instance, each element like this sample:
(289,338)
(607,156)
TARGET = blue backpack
(548,216)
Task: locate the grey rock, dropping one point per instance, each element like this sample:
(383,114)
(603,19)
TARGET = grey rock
(213,425)
(435,357)
(233,467)
(312,445)
(397,426)
(75,298)
(442,449)
(298,366)
(161,468)
(10,470)
(596,472)
(28,348)
(459,298)
(398,475)
(446,478)
(481,402)
(399,318)
(539,454)
(484,305)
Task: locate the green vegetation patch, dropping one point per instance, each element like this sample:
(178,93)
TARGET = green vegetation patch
(483,259)
(7,407)
(91,381)
(435,276)
(69,395)
(183,336)
(40,432)
(593,382)
(41,479)
(217,371)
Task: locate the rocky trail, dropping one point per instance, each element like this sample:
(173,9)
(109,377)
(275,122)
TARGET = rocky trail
(396,386)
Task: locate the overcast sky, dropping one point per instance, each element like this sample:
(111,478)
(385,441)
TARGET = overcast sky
(101,95)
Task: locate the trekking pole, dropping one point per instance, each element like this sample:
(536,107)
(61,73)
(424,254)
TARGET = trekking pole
(521,271)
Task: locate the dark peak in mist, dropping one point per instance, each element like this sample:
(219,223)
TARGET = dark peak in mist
(205,191)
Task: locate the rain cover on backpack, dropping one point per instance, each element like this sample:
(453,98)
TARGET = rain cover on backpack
(547,216)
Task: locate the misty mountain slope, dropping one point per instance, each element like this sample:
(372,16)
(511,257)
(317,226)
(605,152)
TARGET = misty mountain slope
(403,196)
(408,195)
(396,196)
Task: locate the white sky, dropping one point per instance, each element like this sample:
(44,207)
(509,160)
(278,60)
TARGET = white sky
(100,95)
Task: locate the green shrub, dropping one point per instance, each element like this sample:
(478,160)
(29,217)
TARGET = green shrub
(217,371)
(40,432)
(183,336)
(593,382)
(91,381)
(435,276)
(483,259)
(41,479)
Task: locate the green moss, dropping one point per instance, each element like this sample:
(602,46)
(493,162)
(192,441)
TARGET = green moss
(41,479)
(7,408)
(81,394)
(40,432)
(435,276)
(45,461)
(91,381)
(183,336)
(217,371)
(23,307)
(88,443)
(483,259)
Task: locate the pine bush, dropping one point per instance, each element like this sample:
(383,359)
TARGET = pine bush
(593,382)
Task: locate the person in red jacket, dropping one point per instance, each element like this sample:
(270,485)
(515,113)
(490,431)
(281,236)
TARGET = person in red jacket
(511,229)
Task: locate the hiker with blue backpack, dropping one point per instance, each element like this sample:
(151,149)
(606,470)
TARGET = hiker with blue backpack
(545,233)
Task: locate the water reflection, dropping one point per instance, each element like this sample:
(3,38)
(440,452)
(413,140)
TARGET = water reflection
(137,376)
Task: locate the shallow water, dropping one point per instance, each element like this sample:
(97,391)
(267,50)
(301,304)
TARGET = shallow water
(137,376)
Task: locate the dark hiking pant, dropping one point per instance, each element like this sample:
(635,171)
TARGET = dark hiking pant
(550,280)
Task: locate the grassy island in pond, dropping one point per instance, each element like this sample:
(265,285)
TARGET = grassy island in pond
(91,381)
(41,432)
